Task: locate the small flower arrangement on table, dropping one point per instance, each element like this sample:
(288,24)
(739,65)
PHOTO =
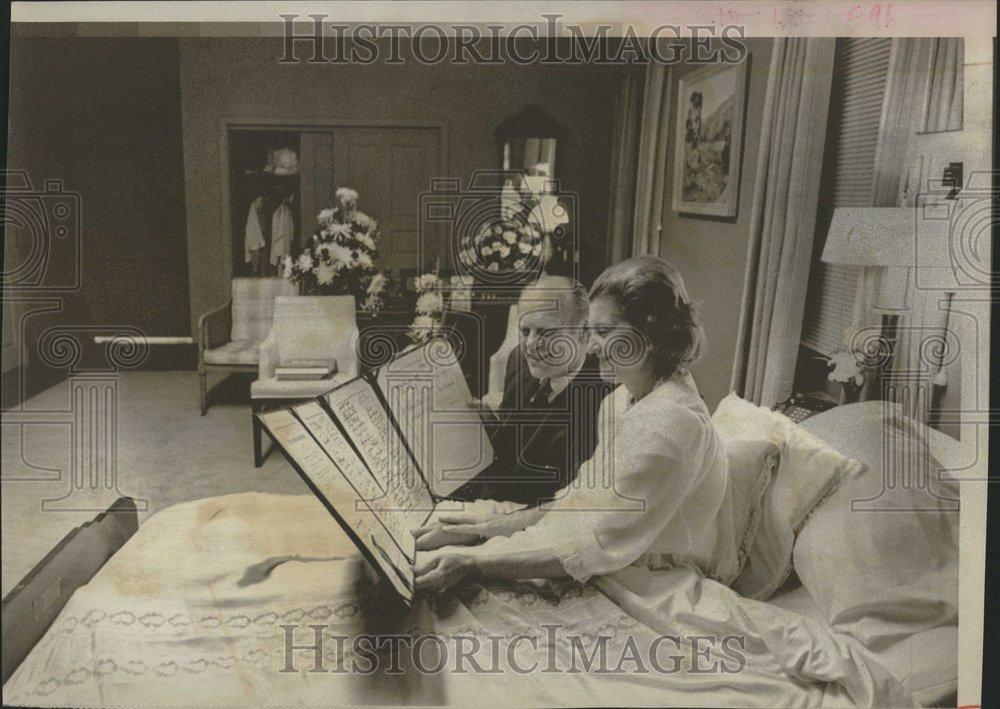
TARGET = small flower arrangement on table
(847,369)
(339,258)
(429,309)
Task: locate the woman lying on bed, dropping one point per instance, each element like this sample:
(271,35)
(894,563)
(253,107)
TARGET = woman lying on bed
(654,494)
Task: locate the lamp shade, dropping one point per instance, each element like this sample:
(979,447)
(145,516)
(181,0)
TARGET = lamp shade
(871,236)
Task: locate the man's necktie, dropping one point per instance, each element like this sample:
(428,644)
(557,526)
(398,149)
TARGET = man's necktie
(542,394)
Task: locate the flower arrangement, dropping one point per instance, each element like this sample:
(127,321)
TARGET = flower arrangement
(511,242)
(503,246)
(847,368)
(516,241)
(429,308)
(339,258)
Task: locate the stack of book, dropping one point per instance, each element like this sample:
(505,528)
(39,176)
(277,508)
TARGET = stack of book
(305,369)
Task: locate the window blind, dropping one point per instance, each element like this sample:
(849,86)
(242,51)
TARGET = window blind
(862,65)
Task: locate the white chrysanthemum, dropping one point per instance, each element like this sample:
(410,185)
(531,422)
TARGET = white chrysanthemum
(373,304)
(365,261)
(325,274)
(509,236)
(504,251)
(340,231)
(341,256)
(325,215)
(346,194)
(493,267)
(377,285)
(487,251)
(519,264)
(304,262)
(536,250)
(845,368)
(367,241)
(423,326)
(430,303)
(524,247)
(426,281)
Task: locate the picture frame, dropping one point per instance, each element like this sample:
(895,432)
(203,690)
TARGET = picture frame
(709,139)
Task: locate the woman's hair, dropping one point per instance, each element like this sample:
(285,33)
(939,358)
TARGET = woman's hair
(652,298)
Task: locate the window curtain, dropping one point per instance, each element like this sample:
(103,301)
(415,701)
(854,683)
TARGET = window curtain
(640,164)
(624,158)
(783,220)
(924,96)
(945,104)
(903,114)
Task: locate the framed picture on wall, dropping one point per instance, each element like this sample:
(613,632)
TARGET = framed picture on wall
(709,135)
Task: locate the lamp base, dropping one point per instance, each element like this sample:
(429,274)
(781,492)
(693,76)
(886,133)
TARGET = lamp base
(889,334)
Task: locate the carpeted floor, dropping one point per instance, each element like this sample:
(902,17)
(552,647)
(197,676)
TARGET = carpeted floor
(166,453)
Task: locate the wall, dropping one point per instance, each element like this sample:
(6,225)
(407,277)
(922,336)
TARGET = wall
(103,116)
(241,78)
(711,252)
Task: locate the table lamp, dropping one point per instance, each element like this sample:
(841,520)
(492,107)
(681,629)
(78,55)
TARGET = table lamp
(887,237)
(875,236)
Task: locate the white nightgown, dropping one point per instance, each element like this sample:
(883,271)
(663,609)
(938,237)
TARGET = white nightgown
(655,493)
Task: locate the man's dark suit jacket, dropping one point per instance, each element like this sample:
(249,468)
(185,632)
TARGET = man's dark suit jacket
(539,444)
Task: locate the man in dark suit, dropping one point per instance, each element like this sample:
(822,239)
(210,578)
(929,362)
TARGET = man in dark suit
(546,424)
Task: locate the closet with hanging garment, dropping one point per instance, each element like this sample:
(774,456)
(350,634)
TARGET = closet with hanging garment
(265,199)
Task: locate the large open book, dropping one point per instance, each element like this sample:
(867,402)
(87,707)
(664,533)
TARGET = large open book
(384,450)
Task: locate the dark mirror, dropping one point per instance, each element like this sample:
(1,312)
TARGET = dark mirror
(528,141)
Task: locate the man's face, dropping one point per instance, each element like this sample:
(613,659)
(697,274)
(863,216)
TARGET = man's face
(552,343)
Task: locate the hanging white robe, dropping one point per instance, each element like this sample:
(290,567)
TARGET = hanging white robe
(282,228)
(254,238)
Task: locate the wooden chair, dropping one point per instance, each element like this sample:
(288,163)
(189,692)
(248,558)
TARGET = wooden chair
(229,337)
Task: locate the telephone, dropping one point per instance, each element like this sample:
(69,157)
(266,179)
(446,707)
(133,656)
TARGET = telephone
(801,406)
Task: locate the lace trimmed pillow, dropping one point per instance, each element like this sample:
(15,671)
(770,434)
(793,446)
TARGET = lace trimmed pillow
(808,470)
(751,465)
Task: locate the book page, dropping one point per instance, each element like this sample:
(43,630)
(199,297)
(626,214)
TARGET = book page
(358,409)
(430,399)
(392,549)
(370,495)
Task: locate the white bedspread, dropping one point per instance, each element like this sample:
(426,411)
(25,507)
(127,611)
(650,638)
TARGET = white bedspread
(175,619)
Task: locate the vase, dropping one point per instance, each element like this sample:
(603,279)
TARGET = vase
(851,391)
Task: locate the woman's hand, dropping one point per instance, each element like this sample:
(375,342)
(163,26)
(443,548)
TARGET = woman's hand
(458,529)
(466,529)
(444,571)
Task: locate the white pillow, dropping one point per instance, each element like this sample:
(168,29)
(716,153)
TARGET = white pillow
(751,465)
(808,470)
(880,575)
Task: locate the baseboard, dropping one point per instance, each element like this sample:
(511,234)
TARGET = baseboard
(22,382)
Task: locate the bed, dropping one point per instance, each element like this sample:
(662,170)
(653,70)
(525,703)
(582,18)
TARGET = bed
(194,610)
